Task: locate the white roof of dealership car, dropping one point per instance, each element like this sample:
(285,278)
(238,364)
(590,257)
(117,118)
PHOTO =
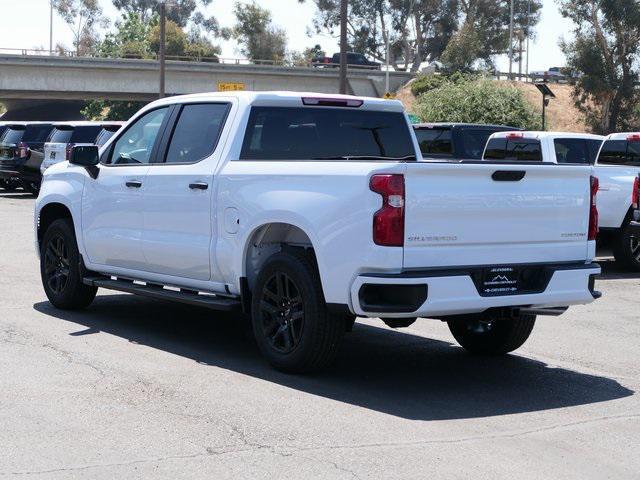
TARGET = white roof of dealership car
(622,135)
(277,98)
(540,135)
(81,123)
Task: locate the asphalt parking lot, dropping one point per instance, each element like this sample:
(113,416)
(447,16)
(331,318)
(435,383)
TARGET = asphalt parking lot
(133,388)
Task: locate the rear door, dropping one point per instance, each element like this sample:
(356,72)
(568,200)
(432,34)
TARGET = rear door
(178,197)
(495,214)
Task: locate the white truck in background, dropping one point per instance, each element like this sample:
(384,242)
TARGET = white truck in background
(306,210)
(615,160)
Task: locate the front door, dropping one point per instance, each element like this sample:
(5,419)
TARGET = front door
(112,217)
(178,196)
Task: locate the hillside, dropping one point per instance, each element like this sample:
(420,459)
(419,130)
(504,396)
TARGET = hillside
(562,115)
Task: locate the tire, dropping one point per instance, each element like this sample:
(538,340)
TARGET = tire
(291,324)
(60,268)
(626,249)
(487,335)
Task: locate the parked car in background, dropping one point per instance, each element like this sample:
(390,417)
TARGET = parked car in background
(634,225)
(354,60)
(459,141)
(307,210)
(618,167)
(65,135)
(21,149)
(552,75)
(5,184)
(547,147)
(615,161)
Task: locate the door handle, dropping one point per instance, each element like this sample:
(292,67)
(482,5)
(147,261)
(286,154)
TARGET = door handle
(198,186)
(508,175)
(133,184)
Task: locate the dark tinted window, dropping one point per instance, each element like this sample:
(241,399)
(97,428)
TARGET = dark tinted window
(571,150)
(13,135)
(316,133)
(614,152)
(61,135)
(105,134)
(36,133)
(520,150)
(435,141)
(85,134)
(593,147)
(473,142)
(196,133)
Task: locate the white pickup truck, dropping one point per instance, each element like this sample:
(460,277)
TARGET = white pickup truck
(307,210)
(615,161)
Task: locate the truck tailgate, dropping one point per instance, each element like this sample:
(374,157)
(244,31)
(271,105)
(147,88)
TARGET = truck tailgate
(485,214)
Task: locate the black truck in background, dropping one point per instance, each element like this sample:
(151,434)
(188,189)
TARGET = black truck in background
(455,141)
(354,60)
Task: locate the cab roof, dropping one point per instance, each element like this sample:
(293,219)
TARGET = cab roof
(282,98)
(531,134)
(623,136)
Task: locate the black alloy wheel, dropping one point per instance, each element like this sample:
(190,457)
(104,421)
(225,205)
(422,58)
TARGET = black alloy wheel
(282,312)
(57,265)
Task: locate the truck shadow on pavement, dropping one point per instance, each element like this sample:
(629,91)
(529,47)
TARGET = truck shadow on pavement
(388,371)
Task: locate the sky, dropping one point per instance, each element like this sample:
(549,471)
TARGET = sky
(25,25)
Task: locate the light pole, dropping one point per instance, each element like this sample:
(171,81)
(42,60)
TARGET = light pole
(343,46)
(163,14)
(386,76)
(511,40)
(50,27)
(528,26)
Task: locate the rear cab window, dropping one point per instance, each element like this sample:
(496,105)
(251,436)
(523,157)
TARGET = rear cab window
(435,141)
(326,133)
(578,151)
(514,150)
(620,152)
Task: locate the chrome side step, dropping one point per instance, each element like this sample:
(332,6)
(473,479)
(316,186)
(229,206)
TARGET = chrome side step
(159,292)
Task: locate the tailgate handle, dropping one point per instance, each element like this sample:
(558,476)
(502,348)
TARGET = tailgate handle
(508,175)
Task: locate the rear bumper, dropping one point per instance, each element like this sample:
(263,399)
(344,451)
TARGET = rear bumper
(444,293)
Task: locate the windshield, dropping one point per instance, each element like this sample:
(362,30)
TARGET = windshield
(308,133)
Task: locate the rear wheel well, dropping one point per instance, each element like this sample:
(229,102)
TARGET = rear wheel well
(270,239)
(49,214)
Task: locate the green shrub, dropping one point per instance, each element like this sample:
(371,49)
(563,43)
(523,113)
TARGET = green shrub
(477,101)
(424,83)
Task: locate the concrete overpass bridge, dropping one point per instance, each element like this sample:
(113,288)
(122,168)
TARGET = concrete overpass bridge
(29,83)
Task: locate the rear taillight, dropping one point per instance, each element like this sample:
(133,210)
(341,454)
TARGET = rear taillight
(593,210)
(22,150)
(388,222)
(67,151)
(635,194)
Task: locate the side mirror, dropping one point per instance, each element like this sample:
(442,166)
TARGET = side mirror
(85,156)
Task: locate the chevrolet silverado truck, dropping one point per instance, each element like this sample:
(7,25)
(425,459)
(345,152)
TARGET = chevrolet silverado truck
(615,161)
(305,211)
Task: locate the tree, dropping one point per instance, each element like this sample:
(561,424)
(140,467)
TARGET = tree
(184,13)
(130,38)
(483,31)
(605,52)
(82,16)
(259,39)
(421,30)
(471,100)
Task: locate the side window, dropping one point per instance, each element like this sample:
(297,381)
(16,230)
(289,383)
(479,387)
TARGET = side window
(196,133)
(571,150)
(134,147)
(435,141)
(496,149)
(614,152)
(633,154)
(523,150)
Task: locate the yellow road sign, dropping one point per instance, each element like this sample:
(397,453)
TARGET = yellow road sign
(230,87)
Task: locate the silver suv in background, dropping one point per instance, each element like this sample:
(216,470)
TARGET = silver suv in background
(66,135)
